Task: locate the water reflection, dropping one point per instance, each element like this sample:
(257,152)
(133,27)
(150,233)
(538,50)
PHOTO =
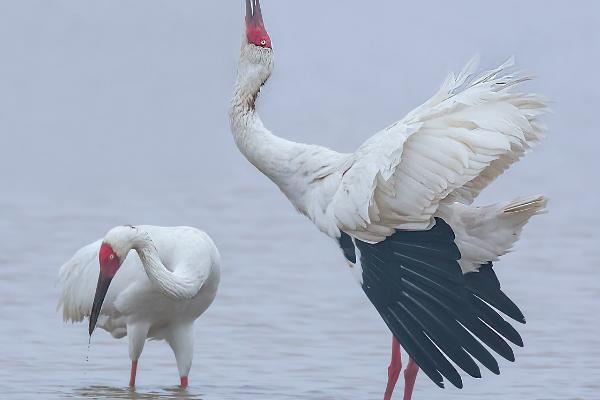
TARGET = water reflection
(109,392)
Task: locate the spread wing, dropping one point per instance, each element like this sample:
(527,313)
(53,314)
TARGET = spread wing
(446,150)
(439,315)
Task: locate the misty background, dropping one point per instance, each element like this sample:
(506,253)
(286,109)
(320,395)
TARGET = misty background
(115,112)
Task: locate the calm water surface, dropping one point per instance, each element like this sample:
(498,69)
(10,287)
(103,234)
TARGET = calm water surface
(115,113)
(289,321)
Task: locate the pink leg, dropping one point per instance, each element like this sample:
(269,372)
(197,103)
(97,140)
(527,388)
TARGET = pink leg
(393,369)
(184,382)
(133,373)
(410,376)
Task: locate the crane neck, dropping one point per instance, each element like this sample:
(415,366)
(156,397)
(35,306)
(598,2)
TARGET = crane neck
(268,153)
(170,284)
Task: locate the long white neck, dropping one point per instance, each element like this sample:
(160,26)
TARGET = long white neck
(272,155)
(171,285)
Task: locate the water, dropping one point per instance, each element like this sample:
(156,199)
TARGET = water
(115,113)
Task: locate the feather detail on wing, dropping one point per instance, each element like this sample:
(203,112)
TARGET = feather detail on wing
(77,279)
(484,234)
(446,150)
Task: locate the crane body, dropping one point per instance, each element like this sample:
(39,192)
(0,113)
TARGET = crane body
(400,208)
(156,291)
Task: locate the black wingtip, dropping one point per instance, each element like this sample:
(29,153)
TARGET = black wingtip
(492,318)
(486,285)
(519,342)
(441,317)
(510,356)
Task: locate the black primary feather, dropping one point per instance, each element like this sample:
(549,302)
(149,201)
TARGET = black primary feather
(437,314)
(345,242)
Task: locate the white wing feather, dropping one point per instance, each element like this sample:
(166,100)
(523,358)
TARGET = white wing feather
(78,278)
(484,234)
(446,150)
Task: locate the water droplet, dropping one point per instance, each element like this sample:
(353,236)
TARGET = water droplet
(87,354)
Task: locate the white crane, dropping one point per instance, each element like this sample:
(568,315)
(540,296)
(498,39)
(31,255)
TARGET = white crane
(400,208)
(156,292)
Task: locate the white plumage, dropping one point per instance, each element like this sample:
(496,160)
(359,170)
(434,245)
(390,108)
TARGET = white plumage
(158,291)
(483,234)
(400,206)
(446,150)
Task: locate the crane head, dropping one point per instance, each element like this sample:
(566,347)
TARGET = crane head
(110,262)
(255,27)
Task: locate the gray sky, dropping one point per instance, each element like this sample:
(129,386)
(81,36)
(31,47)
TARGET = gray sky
(93,93)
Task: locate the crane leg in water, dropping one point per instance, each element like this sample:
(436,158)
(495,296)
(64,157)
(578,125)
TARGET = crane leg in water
(136,333)
(133,373)
(181,340)
(410,376)
(410,373)
(393,369)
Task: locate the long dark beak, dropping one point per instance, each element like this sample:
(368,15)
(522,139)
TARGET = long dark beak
(248,10)
(257,11)
(253,12)
(101,289)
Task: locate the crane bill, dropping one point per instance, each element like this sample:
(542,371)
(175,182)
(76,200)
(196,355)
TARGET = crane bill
(248,10)
(101,289)
(253,12)
(257,10)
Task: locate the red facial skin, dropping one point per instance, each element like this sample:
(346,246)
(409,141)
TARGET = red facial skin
(109,265)
(257,35)
(109,261)
(255,27)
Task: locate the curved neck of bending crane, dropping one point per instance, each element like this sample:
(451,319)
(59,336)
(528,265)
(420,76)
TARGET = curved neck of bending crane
(270,154)
(171,285)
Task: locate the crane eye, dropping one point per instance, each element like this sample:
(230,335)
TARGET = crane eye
(263,42)
(111,257)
